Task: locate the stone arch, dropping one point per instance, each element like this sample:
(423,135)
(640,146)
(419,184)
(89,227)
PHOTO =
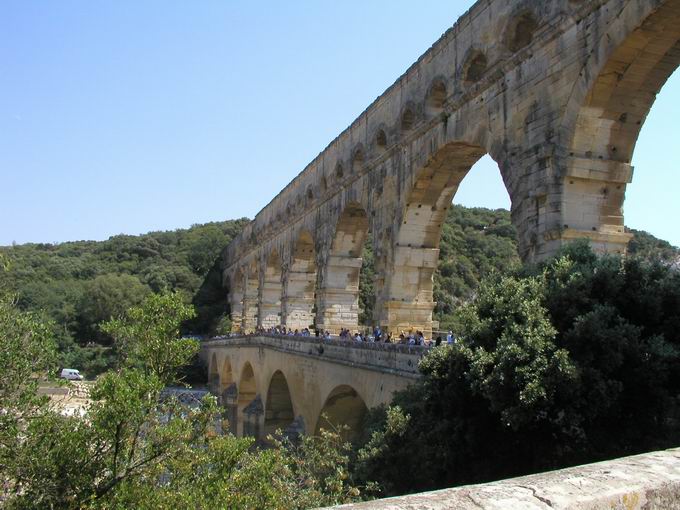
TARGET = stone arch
(279,410)
(409,301)
(272,291)
(338,301)
(408,117)
(339,171)
(300,284)
(520,31)
(343,407)
(358,159)
(381,140)
(251,304)
(604,118)
(247,396)
(475,66)
(226,375)
(436,96)
(310,193)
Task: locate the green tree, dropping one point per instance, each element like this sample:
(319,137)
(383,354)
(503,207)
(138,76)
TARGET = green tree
(140,447)
(27,352)
(108,296)
(573,361)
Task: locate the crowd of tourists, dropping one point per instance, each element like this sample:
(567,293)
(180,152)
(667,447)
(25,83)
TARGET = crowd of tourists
(376,336)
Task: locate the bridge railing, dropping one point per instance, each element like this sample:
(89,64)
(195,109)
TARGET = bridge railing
(400,359)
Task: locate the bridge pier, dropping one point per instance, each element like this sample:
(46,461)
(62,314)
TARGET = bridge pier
(338,309)
(236,306)
(409,304)
(298,301)
(250,303)
(253,419)
(229,400)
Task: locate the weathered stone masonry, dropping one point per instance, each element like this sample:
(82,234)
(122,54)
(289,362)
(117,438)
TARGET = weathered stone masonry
(289,383)
(555,91)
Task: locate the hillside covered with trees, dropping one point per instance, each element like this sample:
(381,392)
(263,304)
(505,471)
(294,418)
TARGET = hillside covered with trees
(77,285)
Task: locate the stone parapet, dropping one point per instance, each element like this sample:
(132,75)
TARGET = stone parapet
(649,481)
(396,359)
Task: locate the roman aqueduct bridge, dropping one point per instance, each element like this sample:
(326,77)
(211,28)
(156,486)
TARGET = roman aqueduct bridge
(555,91)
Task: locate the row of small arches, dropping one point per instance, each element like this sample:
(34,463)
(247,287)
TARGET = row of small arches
(343,406)
(519,34)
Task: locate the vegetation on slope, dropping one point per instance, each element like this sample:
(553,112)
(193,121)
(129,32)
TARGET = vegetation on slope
(575,361)
(138,447)
(77,285)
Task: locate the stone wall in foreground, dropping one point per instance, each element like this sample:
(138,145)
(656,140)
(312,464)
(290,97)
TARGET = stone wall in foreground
(648,481)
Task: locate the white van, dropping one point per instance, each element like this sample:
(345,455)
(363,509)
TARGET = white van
(71,373)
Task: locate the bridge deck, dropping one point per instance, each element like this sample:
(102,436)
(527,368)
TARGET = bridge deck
(397,359)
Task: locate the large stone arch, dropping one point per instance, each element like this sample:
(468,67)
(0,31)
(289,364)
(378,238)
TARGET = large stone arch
(626,68)
(279,408)
(344,411)
(300,284)
(338,297)
(408,303)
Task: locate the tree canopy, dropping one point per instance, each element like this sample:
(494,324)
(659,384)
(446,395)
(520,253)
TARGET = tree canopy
(573,361)
(138,446)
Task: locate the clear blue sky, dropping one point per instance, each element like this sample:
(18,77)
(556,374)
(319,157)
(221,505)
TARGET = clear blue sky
(128,116)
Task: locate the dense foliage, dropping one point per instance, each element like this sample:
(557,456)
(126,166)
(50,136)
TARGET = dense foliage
(137,447)
(76,285)
(575,361)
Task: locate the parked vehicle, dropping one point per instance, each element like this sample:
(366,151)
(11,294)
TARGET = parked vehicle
(71,374)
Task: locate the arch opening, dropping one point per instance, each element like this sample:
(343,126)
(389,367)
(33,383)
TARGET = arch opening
(339,172)
(436,97)
(338,301)
(656,172)
(279,413)
(521,31)
(410,302)
(247,394)
(272,292)
(607,125)
(344,411)
(300,288)
(475,68)
(381,140)
(226,376)
(358,160)
(408,119)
